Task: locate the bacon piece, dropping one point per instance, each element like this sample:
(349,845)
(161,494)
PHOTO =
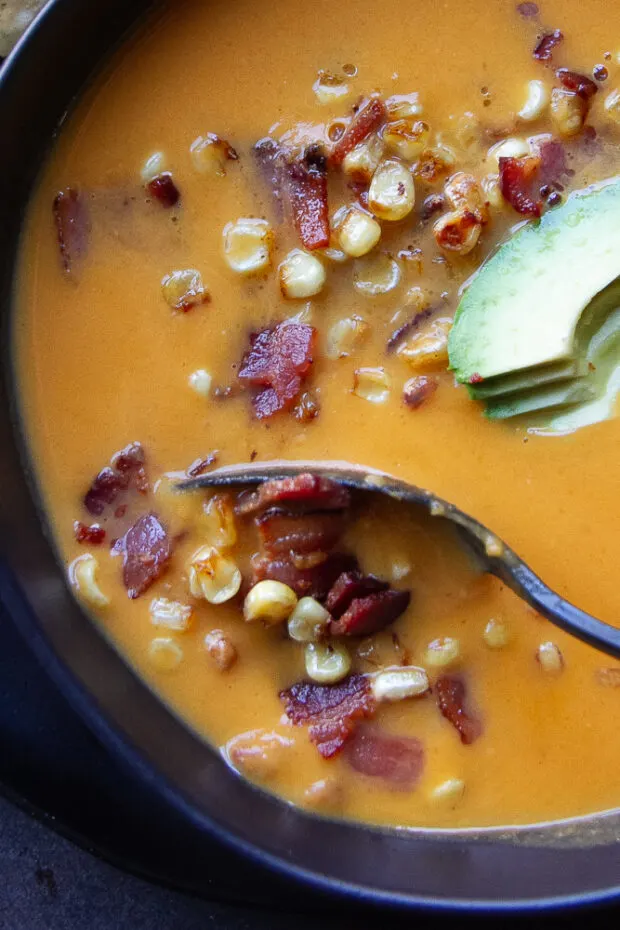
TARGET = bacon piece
(370,614)
(418,390)
(199,466)
(543,50)
(271,163)
(145,548)
(282,532)
(517,178)
(332,711)
(577,83)
(315,581)
(127,468)
(72,226)
(305,492)
(129,462)
(397,759)
(347,587)
(163,189)
(279,360)
(94,534)
(307,192)
(553,168)
(406,329)
(368,118)
(451,700)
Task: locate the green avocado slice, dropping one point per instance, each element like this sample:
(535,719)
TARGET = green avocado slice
(523,307)
(529,378)
(542,398)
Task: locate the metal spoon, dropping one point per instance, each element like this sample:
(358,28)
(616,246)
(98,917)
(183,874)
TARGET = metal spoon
(493,555)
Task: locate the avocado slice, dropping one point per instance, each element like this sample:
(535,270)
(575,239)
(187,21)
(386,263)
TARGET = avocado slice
(529,378)
(523,308)
(542,398)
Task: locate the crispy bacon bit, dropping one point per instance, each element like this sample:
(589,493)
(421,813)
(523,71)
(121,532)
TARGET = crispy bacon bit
(307,192)
(397,759)
(476,378)
(367,119)
(517,180)
(451,700)
(72,226)
(527,10)
(543,50)
(305,491)
(145,548)
(370,614)
(163,189)
(332,711)
(93,534)
(553,168)
(282,532)
(347,587)
(307,408)
(406,329)
(200,466)
(577,83)
(270,160)
(418,390)
(127,470)
(278,361)
(314,581)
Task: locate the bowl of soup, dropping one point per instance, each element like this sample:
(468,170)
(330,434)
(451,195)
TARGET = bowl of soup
(245,233)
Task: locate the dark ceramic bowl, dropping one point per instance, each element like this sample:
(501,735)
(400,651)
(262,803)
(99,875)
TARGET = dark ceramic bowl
(547,865)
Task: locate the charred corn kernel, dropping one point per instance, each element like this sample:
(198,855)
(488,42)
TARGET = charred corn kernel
(358,233)
(345,336)
(399,682)
(330,88)
(200,381)
(218,521)
(612,105)
(468,131)
(210,154)
(83,577)
(372,384)
(496,634)
(391,195)
(213,576)
(536,102)
(568,111)
(492,191)
(269,601)
(406,138)
(327,663)
(512,147)
(376,274)
(247,245)
(221,650)
(457,231)
(165,654)
(184,289)
(435,161)
(463,193)
(362,161)
(449,791)
(404,106)
(154,165)
(428,348)
(550,658)
(301,275)
(442,652)
(171,614)
(308,621)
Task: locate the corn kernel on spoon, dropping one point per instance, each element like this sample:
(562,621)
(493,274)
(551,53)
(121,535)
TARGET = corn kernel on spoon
(492,554)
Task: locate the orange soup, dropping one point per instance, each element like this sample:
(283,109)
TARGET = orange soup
(249,243)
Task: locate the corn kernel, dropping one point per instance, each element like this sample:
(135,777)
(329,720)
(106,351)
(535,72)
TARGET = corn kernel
(164,654)
(247,245)
(496,634)
(406,138)
(326,792)
(83,576)
(358,233)
(377,274)
(568,111)
(270,601)
(345,336)
(333,255)
(301,275)
(327,664)
(258,753)
(399,682)
(154,165)
(442,652)
(457,231)
(550,658)
(362,161)
(213,576)
(218,521)
(200,381)
(537,101)
(434,161)
(449,791)
(329,88)
(612,105)
(171,614)
(391,195)
(512,147)
(221,650)
(404,106)
(184,289)
(462,192)
(492,191)
(429,348)
(372,384)
(308,621)
(209,154)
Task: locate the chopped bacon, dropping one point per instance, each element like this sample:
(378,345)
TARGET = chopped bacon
(527,10)
(199,466)
(397,759)
(282,532)
(409,327)
(347,587)
(578,83)
(451,700)
(145,548)
(127,469)
(543,50)
(270,160)
(370,614)
(163,189)
(418,390)
(332,711)
(368,118)
(553,168)
(315,581)
(72,226)
(517,178)
(278,361)
(129,462)
(305,491)
(93,534)
(307,192)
